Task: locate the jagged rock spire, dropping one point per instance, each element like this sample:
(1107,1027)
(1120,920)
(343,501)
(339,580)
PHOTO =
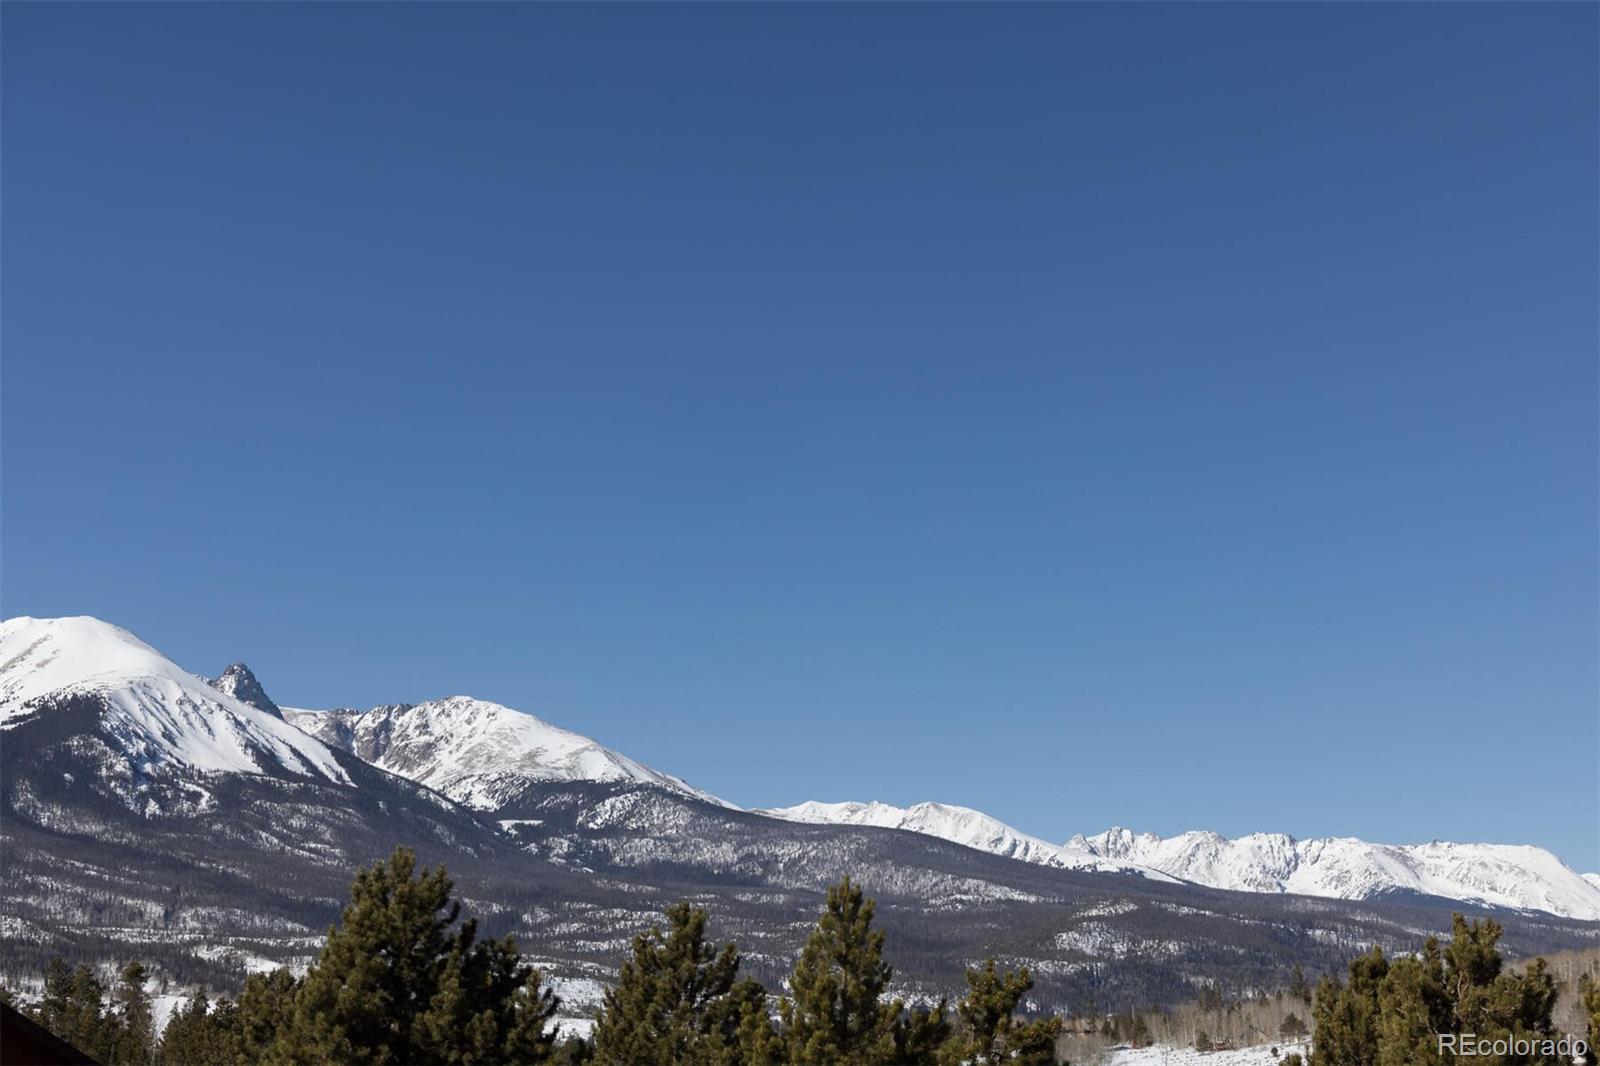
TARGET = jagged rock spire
(237,681)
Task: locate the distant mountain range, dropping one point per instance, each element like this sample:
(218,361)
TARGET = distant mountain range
(965,826)
(1494,875)
(143,804)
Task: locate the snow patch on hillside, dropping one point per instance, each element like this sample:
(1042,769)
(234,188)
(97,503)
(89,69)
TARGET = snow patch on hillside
(1188,1056)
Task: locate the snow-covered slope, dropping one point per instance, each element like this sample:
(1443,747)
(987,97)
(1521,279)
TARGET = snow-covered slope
(960,825)
(1593,879)
(155,713)
(476,752)
(1496,875)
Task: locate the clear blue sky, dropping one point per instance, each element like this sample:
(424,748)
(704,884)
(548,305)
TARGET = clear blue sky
(1166,416)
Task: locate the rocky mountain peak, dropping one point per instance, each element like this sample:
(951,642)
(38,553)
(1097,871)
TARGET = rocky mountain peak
(239,682)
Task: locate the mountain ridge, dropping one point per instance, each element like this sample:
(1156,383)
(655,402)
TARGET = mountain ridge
(478,753)
(114,847)
(488,757)
(1518,876)
(961,825)
(1512,876)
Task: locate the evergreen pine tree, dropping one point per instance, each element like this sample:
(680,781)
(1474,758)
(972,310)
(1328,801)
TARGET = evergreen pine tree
(573,1051)
(1471,964)
(1589,994)
(1347,1015)
(52,1009)
(135,1028)
(395,984)
(1298,988)
(194,1037)
(742,1032)
(676,1001)
(1413,1009)
(833,1015)
(487,1006)
(86,1026)
(990,1032)
(1488,1000)
(265,1007)
(1392,1014)
(921,1035)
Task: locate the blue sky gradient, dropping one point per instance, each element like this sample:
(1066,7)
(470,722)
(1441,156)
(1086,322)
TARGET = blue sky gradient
(1169,416)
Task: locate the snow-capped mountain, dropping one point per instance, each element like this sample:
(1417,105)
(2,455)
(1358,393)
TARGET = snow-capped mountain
(1494,875)
(1497,875)
(145,810)
(478,753)
(147,730)
(155,715)
(961,825)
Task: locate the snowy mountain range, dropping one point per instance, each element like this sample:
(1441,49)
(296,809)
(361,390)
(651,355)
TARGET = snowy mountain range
(478,753)
(1496,875)
(1519,877)
(147,811)
(156,717)
(965,826)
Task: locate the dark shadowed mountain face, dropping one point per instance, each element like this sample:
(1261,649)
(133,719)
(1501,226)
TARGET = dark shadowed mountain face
(152,816)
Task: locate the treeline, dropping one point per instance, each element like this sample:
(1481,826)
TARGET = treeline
(1388,1012)
(1210,1022)
(1421,1010)
(404,978)
(73,1007)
